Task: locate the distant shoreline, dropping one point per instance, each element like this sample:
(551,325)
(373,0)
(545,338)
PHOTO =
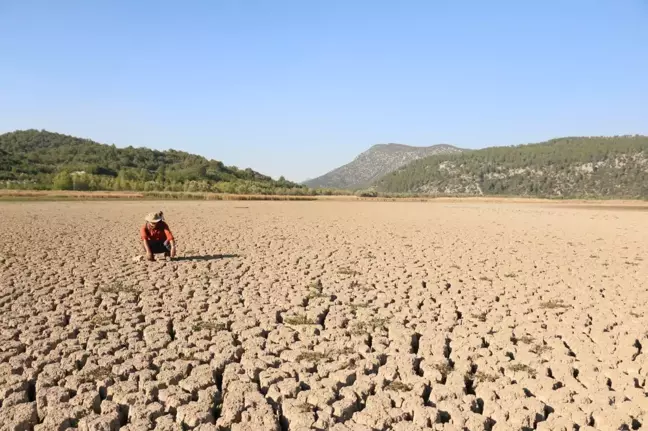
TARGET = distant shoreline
(64,195)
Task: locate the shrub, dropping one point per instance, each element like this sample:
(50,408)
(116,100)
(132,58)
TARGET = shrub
(367,193)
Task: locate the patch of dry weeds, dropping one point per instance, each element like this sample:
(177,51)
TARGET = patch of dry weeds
(345,270)
(316,290)
(376,323)
(526,339)
(398,386)
(210,326)
(482,377)
(481,316)
(299,319)
(117,287)
(443,367)
(523,368)
(554,304)
(539,349)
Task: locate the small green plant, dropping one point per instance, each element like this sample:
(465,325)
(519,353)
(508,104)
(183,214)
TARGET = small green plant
(523,368)
(299,319)
(398,386)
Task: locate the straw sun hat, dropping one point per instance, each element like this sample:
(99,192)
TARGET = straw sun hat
(154,217)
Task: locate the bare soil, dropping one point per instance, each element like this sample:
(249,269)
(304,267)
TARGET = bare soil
(324,315)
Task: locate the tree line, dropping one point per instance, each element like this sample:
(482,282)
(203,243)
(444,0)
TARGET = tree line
(44,160)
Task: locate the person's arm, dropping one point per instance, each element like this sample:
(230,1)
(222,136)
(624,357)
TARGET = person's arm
(149,254)
(171,240)
(144,236)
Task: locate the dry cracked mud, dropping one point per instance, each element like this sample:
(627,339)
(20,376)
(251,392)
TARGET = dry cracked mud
(323,315)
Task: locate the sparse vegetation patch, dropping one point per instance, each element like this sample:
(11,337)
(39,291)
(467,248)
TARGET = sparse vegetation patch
(118,286)
(539,349)
(523,368)
(554,304)
(398,386)
(443,367)
(482,377)
(481,316)
(299,319)
(208,325)
(526,339)
(315,290)
(348,271)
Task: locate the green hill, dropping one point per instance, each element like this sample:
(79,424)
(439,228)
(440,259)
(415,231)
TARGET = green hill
(41,159)
(584,167)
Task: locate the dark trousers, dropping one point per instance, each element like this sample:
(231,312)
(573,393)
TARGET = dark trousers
(157,247)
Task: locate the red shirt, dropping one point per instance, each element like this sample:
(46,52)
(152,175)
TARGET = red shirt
(161,232)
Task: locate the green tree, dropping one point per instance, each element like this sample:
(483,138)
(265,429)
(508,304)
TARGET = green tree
(62,181)
(34,157)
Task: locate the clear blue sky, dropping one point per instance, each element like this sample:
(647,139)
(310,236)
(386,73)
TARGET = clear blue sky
(297,87)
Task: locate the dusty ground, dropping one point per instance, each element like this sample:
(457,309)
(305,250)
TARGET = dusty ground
(324,315)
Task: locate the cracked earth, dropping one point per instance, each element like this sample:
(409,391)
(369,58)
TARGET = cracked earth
(323,315)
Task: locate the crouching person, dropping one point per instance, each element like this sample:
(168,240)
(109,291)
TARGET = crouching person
(157,237)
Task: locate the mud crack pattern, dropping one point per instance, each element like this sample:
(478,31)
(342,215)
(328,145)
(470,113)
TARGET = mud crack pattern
(323,315)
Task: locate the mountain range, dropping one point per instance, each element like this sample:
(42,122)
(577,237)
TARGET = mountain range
(576,167)
(375,163)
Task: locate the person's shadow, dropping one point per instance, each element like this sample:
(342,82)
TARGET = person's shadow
(205,258)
